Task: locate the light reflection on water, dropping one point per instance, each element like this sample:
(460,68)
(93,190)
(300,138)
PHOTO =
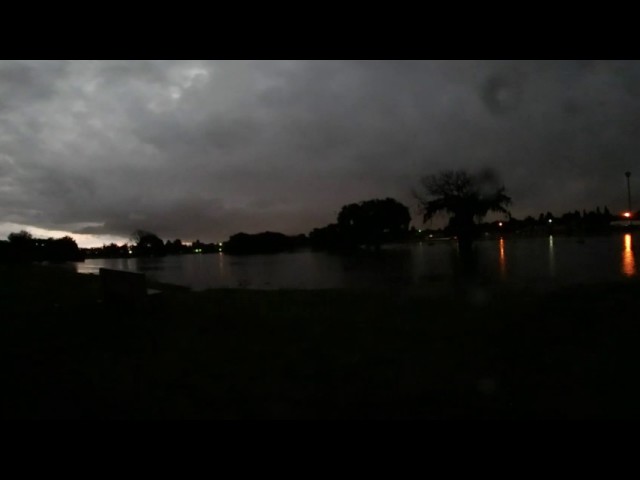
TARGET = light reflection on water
(552,258)
(503,260)
(543,261)
(628,261)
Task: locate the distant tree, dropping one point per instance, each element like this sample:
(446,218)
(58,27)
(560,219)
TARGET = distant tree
(148,243)
(373,222)
(22,246)
(466,198)
(327,237)
(113,250)
(21,237)
(197,245)
(62,249)
(173,248)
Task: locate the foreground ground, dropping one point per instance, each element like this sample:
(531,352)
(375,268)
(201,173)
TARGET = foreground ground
(472,353)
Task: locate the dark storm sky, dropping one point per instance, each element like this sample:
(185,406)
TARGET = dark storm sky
(205,149)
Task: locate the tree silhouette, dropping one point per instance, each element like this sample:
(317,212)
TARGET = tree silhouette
(465,197)
(61,249)
(22,245)
(21,237)
(373,222)
(148,244)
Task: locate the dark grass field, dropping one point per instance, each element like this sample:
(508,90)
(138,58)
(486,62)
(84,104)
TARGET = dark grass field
(474,352)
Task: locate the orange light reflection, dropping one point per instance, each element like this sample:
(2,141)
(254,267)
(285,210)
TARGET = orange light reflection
(628,261)
(503,260)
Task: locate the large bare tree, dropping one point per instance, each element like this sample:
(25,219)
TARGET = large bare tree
(465,197)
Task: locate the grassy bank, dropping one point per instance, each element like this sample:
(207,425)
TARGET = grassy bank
(474,352)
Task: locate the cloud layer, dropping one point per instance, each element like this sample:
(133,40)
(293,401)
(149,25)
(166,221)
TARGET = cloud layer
(195,149)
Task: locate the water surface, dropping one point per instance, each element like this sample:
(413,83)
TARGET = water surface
(537,262)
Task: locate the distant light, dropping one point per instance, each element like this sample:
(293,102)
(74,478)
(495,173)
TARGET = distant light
(499,224)
(220,244)
(627,214)
(419,231)
(430,236)
(550,221)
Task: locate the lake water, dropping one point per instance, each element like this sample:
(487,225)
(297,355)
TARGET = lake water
(538,262)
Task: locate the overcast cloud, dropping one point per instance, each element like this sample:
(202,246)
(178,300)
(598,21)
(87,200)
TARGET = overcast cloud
(205,149)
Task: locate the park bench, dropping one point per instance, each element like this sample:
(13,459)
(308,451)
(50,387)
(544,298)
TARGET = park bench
(125,288)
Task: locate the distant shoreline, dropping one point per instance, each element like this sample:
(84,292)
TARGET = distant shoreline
(424,239)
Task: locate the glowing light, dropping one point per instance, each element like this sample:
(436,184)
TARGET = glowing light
(500,224)
(550,221)
(628,261)
(503,260)
(627,214)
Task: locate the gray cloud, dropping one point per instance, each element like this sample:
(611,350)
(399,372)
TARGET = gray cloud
(196,149)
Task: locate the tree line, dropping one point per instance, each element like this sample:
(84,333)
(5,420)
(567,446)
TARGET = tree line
(23,247)
(465,198)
